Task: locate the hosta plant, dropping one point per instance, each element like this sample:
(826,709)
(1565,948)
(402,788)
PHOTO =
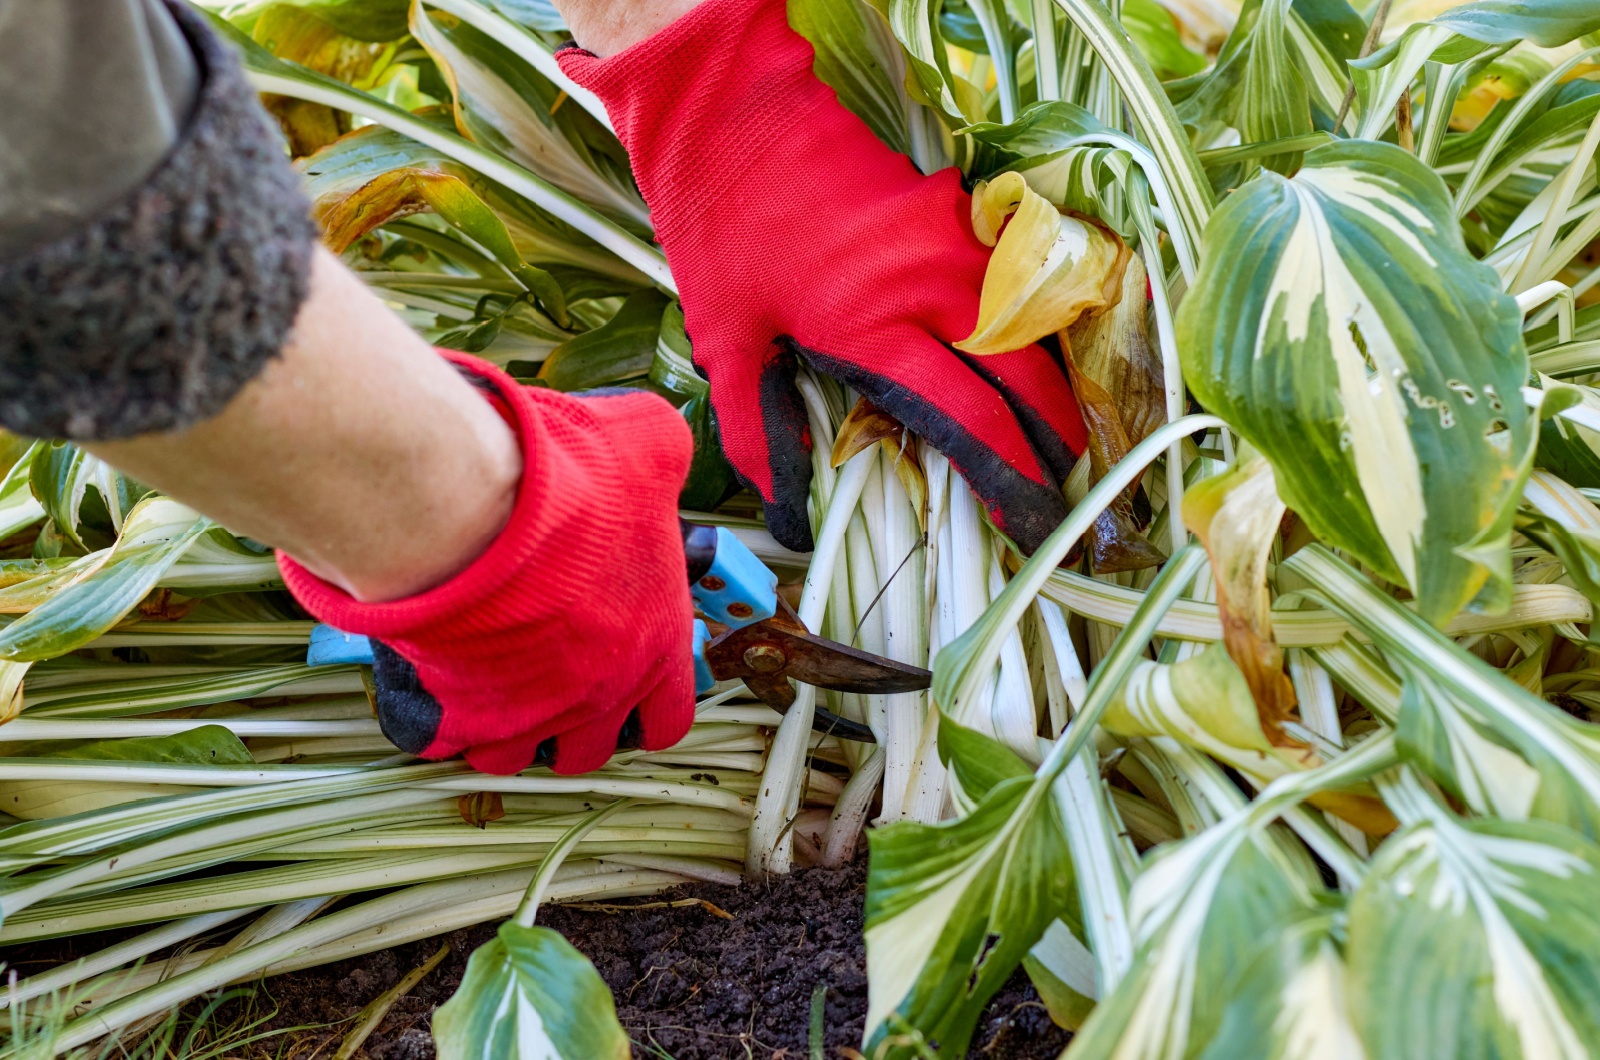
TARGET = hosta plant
(1282,745)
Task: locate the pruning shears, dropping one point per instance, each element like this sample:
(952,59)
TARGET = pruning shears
(747,631)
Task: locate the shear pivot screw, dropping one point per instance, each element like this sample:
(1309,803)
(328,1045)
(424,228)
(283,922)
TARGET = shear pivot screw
(712,583)
(764,659)
(740,610)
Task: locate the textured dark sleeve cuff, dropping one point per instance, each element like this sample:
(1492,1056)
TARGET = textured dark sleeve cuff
(153,316)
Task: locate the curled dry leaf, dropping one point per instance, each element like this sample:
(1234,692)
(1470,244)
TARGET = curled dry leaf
(401,192)
(868,425)
(1118,383)
(1236,515)
(478,808)
(1047,270)
(292,33)
(1112,347)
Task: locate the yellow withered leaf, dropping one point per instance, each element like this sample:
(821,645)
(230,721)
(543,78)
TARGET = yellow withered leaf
(1236,515)
(1047,270)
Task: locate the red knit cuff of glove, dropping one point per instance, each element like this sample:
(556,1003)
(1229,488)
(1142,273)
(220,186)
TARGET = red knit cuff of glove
(577,613)
(459,597)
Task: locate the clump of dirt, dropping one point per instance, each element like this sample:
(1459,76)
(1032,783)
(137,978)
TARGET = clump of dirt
(690,984)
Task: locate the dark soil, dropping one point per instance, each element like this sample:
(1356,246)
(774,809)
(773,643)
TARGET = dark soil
(689,984)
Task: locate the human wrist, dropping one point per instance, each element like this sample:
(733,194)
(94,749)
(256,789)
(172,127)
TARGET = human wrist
(606,27)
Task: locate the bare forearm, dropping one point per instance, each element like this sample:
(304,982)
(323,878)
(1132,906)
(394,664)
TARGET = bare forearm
(606,27)
(360,451)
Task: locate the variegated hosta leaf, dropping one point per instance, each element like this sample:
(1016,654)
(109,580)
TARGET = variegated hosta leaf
(1496,768)
(1205,702)
(1236,516)
(535,14)
(1067,155)
(35,800)
(505,105)
(61,474)
(1487,740)
(1202,911)
(1456,36)
(218,562)
(1342,327)
(859,58)
(528,995)
(109,584)
(1047,269)
(1477,938)
(953,907)
(915,24)
(1291,1002)
(1256,87)
(19,508)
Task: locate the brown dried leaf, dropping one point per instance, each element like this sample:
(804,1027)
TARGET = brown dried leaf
(1114,540)
(1112,347)
(387,197)
(292,33)
(867,425)
(160,606)
(478,808)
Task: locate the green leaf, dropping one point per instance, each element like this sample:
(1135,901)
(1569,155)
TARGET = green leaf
(528,993)
(155,534)
(1487,740)
(979,761)
(1155,31)
(622,349)
(1291,1001)
(1477,939)
(505,105)
(34,800)
(1201,910)
(952,908)
(711,479)
(368,20)
(1457,35)
(61,475)
(1256,87)
(859,58)
(19,508)
(1341,326)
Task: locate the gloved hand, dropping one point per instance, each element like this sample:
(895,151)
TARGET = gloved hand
(793,233)
(577,614)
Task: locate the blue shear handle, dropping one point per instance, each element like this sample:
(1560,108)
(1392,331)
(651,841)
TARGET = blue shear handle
(703,681)
(738,590)
(333,647)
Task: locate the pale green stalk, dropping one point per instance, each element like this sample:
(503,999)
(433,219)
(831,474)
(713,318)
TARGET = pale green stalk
(780,788)
(558,854)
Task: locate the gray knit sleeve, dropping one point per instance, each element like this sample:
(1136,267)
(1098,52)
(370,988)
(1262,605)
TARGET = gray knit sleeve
(154,240)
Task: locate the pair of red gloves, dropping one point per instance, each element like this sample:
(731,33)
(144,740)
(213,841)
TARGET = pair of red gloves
(795,235)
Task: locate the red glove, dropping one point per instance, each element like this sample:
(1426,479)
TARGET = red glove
(794,232)
(577,614)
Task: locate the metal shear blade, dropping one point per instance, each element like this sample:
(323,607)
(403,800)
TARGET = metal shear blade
(765,655)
